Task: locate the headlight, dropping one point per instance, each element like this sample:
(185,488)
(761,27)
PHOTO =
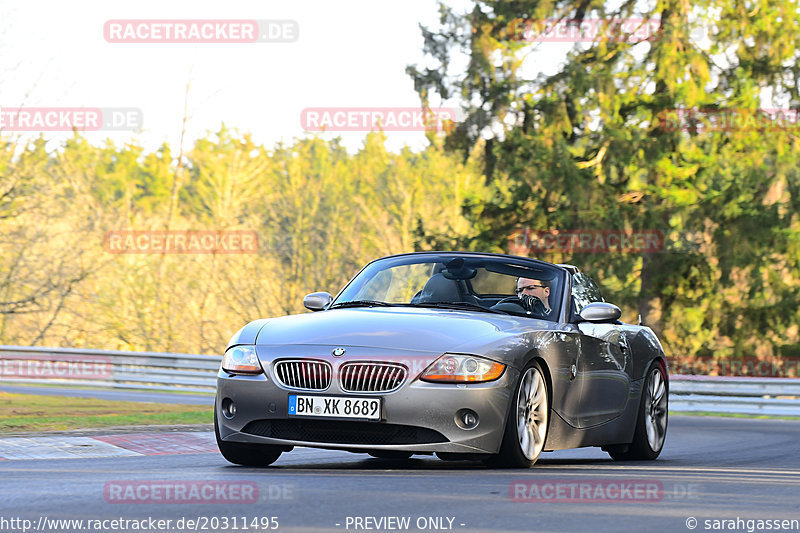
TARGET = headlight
(451,368)
(241,360)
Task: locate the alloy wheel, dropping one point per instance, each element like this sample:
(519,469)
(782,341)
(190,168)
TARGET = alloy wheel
(532,413)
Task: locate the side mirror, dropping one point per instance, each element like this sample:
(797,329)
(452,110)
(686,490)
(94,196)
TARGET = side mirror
(600,312)
(317,301)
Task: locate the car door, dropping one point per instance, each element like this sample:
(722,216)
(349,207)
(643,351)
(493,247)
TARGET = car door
(604,364)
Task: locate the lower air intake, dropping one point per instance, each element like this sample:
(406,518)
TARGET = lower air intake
(342,432)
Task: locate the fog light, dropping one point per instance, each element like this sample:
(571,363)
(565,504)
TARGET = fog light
(467,419)
(228,408)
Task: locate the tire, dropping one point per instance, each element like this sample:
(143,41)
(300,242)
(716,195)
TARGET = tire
(651,422)
(528,418)
(240,453)
(401,456)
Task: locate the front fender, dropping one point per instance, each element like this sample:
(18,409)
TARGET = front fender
(248,334)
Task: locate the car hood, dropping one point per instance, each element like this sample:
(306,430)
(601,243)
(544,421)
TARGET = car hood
(423,330)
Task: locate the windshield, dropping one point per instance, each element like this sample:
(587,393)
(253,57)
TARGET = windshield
(458,281)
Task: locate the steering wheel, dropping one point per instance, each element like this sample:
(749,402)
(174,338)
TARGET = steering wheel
(519,306)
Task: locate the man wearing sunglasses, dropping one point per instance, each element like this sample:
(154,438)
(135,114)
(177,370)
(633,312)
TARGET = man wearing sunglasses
(535,295)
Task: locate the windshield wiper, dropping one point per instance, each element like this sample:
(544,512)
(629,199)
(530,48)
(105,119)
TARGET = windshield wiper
(360,303)
(458,305)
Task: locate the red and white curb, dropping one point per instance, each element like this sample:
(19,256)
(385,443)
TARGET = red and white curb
(121,445)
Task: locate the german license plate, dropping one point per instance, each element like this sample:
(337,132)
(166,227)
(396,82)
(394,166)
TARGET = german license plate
(335,406)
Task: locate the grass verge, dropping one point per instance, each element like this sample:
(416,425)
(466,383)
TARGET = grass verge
(29,412)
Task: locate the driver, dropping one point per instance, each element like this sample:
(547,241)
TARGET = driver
(535,295)
(532,298)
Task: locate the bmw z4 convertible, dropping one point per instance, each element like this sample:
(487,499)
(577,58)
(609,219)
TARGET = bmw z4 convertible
(470,356)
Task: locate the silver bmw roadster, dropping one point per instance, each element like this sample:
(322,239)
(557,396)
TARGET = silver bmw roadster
(470,356)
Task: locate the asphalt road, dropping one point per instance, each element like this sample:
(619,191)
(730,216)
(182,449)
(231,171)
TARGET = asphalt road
(710,469)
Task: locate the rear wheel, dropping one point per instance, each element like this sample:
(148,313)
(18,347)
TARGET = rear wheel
(651,423)
(526,427)
(245,454)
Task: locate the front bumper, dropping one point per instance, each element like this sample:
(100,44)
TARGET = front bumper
(419,417)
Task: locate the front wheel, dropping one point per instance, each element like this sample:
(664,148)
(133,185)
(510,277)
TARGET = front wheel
(240,453)
(526,427)
(651,423)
